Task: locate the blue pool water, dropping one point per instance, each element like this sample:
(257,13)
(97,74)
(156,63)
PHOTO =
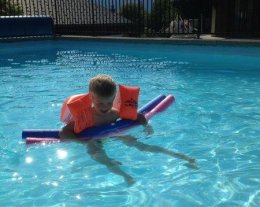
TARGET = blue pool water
(215,119)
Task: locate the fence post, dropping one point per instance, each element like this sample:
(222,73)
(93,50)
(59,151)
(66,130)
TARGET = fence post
(199,26)
(56,18)
(92,17)
(139,18)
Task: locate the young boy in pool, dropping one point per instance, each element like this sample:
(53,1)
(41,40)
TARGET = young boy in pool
(102,91)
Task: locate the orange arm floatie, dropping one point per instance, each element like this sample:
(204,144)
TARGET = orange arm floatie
(127,102)
(79,108)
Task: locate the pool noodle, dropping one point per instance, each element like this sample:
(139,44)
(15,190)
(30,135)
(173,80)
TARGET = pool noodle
(94,132)
(161,106)
(158,108)
(34,140)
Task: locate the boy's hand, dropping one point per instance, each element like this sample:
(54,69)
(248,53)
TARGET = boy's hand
(141,119)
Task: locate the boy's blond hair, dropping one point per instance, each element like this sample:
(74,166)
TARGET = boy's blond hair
(102,85)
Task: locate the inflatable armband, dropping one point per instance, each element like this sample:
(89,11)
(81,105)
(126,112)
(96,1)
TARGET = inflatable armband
(65,115)
(78,109)
(127,102)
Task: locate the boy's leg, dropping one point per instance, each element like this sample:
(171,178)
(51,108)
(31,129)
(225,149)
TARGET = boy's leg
(96,151)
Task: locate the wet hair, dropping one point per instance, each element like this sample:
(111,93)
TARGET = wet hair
(102,86)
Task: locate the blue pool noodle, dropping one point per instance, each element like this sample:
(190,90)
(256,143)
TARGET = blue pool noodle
(95,131)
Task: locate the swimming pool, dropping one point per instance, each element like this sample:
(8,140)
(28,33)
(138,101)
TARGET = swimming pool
(215,120)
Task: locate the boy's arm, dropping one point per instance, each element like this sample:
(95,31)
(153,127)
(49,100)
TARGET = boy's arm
(142,120)
(67,132)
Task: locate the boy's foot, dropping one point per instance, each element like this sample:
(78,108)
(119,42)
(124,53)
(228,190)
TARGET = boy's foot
(192,165)
(130,181)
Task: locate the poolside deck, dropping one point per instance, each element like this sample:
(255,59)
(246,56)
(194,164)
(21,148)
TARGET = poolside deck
(204,39)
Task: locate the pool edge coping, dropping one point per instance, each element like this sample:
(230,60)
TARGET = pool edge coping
(202,41)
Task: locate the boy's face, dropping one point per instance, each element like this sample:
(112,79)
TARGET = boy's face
(102,105)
